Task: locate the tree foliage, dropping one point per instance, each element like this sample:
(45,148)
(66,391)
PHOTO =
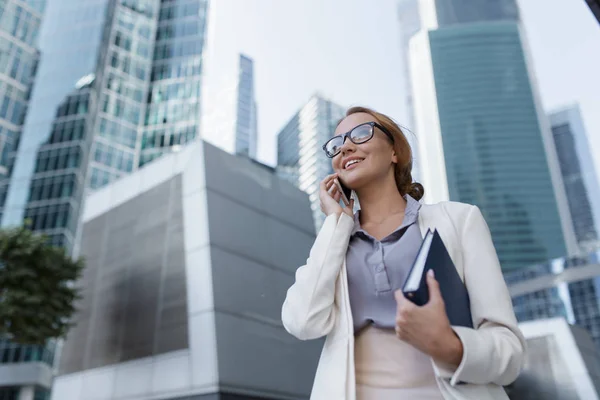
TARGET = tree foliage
(37,291)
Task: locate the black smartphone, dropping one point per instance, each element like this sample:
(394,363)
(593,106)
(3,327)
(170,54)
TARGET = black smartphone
(346,193)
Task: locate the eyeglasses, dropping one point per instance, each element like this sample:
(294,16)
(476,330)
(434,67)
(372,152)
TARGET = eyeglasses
(358,135)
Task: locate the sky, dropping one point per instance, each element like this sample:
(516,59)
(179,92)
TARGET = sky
(349,51)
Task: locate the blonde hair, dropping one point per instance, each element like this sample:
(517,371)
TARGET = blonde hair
(403,168)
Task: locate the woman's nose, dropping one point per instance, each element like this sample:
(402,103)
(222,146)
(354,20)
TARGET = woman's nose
(348,146)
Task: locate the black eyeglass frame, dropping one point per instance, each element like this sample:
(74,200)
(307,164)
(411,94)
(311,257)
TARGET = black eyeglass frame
(347,135)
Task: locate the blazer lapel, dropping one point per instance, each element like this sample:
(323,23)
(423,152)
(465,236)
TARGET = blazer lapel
(432,217)
(424,219)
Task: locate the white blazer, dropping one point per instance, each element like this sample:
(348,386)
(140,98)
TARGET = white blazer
(317,304)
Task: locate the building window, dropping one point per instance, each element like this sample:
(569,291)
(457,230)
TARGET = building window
(14,353)
(9,393)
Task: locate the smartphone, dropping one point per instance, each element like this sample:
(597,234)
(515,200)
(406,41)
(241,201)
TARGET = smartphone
(346,193)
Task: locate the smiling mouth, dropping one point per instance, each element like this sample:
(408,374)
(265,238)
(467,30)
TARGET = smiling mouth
(352,162)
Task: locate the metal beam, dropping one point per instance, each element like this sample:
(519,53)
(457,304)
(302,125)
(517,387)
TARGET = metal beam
(569,275)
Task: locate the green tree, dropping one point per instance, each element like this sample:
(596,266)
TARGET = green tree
(37,291)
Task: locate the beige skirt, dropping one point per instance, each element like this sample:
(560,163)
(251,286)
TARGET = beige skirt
(389,369)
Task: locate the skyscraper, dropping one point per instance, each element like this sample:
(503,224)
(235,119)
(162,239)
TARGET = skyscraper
(25,371)
(562,287)
(230,119)
(579,175)
(410,24)
(118,86)
(300,157)
(483,138)
(19,31)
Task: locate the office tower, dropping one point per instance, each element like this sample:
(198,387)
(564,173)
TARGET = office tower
(118,86)
(483,138)
(563,287)
(410,24)
(25,371)
(230,119)
(594,7)
(193,312)
(579,175)
(173,108)
(19,32)
(300,156)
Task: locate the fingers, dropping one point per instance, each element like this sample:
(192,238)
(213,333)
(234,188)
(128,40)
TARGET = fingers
(337,196)
(327,181)
(404,314)
(435,295)
(399,297)
(403,305)
(350,207)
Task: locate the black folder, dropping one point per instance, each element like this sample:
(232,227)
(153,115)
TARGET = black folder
(434,255)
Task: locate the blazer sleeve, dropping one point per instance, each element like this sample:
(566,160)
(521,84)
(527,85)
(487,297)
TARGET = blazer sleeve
(309,309)
(494,351)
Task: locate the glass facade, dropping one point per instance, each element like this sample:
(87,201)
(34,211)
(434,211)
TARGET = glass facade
(12,393)
(140,62)
(453,12)
(494,151)
(564,287)
(579,177)
(19,31)
(61,70)
(246,124)
(230,118)
(13,353)
(172,116)
(109,68)
(58,180)
(123,74)
(300,157)
(579,204)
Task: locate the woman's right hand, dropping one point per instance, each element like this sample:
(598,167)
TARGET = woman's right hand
(329,196)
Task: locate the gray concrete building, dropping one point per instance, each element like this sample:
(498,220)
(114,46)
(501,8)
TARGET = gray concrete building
(188,263)
(561,363)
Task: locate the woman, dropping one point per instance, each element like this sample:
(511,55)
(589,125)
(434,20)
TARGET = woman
(379,344)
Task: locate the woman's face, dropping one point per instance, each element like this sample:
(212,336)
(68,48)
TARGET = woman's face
(375,156)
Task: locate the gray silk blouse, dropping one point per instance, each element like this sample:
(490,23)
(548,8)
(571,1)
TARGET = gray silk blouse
(378,268)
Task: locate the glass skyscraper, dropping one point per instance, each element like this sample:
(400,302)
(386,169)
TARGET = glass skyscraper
(483,138)
(563,287)
(246,123)
(579,175)
(118,86)
(26,370)
(230,119)
(172,117)
(300,157)
(19,56)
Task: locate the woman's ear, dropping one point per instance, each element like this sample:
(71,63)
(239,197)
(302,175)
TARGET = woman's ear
(394,158)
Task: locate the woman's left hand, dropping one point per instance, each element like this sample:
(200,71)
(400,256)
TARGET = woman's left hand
(427,327)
